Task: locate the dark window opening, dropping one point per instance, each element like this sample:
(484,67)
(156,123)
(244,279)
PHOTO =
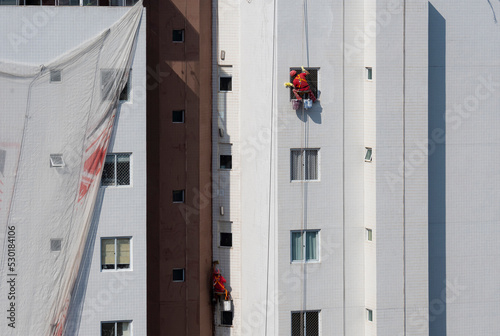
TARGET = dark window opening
(55,76)
(178,35)
(226,162)
(226,84)
(178,116)
(226,239)
(227,318)
(55,245)
(32,2)
(125,94)
(369,73)
(312,80)
(178,196)
(178,275)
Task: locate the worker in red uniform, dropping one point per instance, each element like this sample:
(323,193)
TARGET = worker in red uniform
(218,282)
(300,84)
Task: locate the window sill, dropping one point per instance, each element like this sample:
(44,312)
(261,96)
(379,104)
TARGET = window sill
(116,270)
(305,262)
(304,181)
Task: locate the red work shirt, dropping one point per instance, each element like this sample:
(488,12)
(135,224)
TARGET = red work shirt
(219,284)
(300,82)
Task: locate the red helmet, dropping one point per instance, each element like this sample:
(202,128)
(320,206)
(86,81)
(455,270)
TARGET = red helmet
(293,73)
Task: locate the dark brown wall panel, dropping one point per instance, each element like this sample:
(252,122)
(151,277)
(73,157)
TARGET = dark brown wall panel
(179,157)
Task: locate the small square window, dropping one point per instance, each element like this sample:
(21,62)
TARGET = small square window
(226,162)
(115,253)
(125,94)
(312,80)
(305,245)
(305,323)
(226,239)
(226,318)
(178,116)
(369,234)
(55,245)
(304,164)
(119,328)
(369,315)
(116,170)
(226,84)
(178,35)
(55,76)
(178,275)
(369,73)
(178,196)
(368,154)
(56,160)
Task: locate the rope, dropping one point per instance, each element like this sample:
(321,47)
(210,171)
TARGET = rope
(273,83)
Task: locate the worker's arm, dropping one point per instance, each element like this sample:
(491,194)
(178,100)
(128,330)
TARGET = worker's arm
(305,71)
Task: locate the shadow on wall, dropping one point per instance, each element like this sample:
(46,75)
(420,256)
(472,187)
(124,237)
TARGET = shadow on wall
(437,172)
(80,290)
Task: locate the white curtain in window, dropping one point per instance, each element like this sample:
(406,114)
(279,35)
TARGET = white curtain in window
(108,252)
(296,164)
(311,164)
(311,245)
(123,248)
(297,253)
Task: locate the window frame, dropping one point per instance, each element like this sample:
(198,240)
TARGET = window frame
(368,158)
(116,326)
(313,83)
(369,73)
(128,86)
(304,247)
(181,192)
(116,269)
(183,274)
(183,34)
(182,113)
(369,315)
(303,168)
(369,234)
(304,320)
(115,185)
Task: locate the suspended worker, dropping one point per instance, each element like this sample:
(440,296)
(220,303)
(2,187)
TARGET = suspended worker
(219,284)
(300,85)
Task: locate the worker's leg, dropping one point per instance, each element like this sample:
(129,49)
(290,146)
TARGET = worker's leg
(311,95)
(297,96)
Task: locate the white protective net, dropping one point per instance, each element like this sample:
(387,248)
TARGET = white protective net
(55,123)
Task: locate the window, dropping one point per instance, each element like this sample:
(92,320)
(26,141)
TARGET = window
(226,239)
(55,76)
(120,328)
(369,234)
(8,2)
(178,35)
(56,160)
(305,323)
(305,245)
(312,80)
(178,196)
(115,253)
(178,116)
(178,275)
(368,154)
(369,315)
(125,94)
(226,83)
(369,73)
(116,171)
(55,245)
(304,164)
(226,318)
(226,162)
(122,2)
